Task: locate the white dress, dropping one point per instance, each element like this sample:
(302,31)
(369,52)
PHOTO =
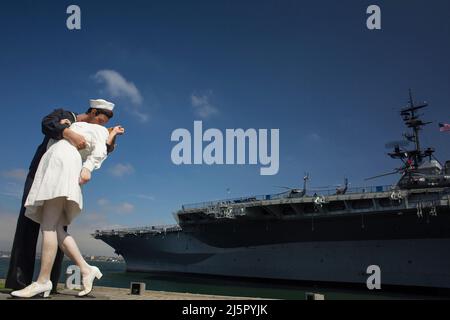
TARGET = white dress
(59,170)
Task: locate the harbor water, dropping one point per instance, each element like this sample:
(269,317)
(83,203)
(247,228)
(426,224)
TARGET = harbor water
(115,275)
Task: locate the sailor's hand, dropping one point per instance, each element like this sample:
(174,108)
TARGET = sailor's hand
(85,176)
(65,121)
(77,140)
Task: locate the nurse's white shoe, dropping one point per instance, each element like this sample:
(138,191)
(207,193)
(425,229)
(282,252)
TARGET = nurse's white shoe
(33,290)
(89,280)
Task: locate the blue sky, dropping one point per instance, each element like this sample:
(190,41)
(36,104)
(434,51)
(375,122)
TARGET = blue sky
(310,68)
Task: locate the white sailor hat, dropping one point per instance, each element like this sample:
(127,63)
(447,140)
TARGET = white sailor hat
(101,104)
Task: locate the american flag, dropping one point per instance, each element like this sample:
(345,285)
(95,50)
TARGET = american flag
(444,127)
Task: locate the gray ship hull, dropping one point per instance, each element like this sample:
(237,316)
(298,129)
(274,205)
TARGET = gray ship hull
(418,262)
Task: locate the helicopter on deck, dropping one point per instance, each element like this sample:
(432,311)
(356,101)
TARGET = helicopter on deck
(341,189)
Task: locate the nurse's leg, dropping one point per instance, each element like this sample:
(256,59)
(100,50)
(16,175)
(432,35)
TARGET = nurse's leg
(68,245)
(51,213)
(56,270)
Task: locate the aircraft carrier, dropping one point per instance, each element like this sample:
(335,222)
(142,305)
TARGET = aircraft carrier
(318,236)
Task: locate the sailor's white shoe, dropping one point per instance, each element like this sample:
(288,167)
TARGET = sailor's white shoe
(89,280)
(34,289)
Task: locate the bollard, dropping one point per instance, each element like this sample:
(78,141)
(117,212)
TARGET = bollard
(137,288)
(314,296)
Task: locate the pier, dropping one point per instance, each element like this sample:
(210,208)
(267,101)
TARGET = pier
(108,293)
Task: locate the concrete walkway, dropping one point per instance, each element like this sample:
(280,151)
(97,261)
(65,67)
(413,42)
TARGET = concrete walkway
(106,293)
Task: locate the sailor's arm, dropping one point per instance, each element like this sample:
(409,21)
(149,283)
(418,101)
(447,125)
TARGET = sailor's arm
(51,125)
(57,130)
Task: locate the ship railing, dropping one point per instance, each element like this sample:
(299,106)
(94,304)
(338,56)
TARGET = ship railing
(139,230)
(284,195)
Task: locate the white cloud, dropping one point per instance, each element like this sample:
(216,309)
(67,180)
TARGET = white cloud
(145,196)
(124,208)
(15,174)
(314,137)
(120,208)
(8,222)
(12,186)
(89,245)
(102,202)
(143,117)
(12,189)
(81,229)
(118,87)
(120,169)
(202,105)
